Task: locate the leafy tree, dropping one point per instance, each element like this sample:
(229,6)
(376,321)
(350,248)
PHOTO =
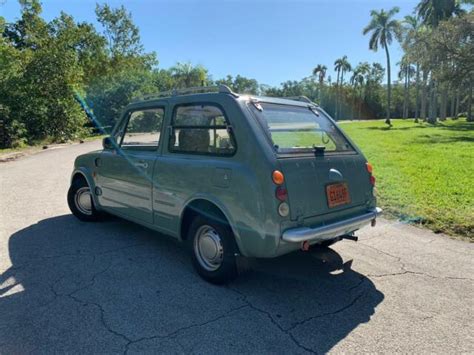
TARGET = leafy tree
(241,84)
(383,29)
(30,31)
(108,96)
(87,44)
(123,36)
(123,40)
(163,80)
(39,94)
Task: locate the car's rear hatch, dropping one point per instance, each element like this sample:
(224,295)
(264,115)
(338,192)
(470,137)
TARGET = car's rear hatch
(324,172)
(308,179)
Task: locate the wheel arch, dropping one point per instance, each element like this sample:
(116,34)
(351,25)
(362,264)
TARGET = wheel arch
(206,207)
(83,173)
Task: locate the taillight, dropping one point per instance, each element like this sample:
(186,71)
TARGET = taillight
(371,177)
(369,167)
(281,193)
(278,178)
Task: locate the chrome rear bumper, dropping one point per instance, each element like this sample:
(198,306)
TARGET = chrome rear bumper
(336,229)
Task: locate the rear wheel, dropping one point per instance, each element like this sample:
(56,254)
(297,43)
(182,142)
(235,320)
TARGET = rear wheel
(80,201)
(213,250)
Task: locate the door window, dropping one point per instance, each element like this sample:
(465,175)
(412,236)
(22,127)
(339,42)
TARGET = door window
(143,129)
(201,129)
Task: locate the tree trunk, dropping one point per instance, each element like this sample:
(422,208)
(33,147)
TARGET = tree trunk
(470,118)
(423,95)
(337,95)
(352,109)
(389,89)
(453,100)
(407,105)
(444,103)
(417,95)
(341,113)
(320,92)
(404,94)
(456,106)
(432,103)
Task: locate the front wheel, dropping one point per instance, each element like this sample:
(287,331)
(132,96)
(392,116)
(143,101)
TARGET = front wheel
(213,250)
(80,201)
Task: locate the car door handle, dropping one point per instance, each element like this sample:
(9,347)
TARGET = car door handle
(141,164)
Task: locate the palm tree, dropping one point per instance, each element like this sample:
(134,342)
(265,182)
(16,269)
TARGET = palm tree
(187,75)
(359,80)
(412,27)
(341,66)
(434,11)
(320,72)
(383,29)
(406,73)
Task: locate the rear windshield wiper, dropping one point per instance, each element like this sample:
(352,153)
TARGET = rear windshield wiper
(318,150)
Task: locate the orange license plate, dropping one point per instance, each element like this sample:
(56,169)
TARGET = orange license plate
(337,194)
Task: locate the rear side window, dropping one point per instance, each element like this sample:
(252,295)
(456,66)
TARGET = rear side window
(294,129)
(201,129)
(143,129)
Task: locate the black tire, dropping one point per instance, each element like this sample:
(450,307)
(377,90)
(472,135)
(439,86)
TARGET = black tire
(224,271)
(82,213)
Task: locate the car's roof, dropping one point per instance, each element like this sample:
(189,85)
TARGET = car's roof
(294,101)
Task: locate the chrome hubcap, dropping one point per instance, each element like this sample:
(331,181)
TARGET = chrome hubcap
(83,200)
(208,248)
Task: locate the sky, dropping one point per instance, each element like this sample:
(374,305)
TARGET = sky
(271,41)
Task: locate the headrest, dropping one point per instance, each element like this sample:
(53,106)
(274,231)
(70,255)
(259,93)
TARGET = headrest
(194,140)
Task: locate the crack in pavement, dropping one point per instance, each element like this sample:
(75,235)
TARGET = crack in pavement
(409,272)
(361,281)
(177,331)
(273,321)
(101,309)
(76,299)
(405,270)
(129,341)
(342,309)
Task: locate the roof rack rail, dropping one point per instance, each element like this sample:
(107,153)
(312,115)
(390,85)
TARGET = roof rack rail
(224,89)
(300,98)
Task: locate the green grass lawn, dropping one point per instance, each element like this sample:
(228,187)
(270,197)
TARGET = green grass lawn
(425,173)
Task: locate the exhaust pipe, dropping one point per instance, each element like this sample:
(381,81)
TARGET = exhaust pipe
(352,237)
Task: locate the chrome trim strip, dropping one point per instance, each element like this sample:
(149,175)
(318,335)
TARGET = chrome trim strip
(336,229)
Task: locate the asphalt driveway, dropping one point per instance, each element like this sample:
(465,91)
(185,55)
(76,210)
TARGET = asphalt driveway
(113,287)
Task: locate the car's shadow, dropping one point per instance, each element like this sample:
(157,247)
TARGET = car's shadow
(111,286)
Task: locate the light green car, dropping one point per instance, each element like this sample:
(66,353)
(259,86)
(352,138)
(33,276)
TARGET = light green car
(231,175)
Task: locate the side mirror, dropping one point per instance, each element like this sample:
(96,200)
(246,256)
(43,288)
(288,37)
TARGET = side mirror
(108,143)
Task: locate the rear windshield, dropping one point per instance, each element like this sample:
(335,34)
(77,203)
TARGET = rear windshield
(295,129)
